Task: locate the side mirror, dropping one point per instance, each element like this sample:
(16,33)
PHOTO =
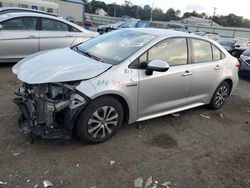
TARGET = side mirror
(156,65)
(1,27)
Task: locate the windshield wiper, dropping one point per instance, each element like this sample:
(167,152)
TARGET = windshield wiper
(89,55)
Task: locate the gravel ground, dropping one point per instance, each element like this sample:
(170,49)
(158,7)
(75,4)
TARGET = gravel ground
(189,151)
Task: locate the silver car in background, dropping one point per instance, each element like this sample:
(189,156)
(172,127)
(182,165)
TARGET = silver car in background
(121,77)
(25,33)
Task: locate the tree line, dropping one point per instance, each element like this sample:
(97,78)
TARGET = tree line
(144,13)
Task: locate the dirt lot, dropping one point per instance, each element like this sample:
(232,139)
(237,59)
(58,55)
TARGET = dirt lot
(189,150)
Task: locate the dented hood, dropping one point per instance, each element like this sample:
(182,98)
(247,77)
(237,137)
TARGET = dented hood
(59,65)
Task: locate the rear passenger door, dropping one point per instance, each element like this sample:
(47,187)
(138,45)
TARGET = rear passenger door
(207,70)
(55,34)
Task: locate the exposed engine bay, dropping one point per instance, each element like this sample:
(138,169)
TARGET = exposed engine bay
(49,110)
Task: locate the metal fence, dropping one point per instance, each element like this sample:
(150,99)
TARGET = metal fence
(222,31)
(101,20)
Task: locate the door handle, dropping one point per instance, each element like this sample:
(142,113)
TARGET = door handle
(187,73)
(217,67)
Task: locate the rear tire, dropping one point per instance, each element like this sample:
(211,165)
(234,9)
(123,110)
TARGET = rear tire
(220,96)
(100,120)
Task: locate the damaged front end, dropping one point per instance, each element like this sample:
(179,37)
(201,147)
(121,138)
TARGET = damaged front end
(49,110)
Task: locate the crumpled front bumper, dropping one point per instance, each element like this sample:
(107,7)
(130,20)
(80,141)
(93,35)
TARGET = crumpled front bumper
(27,123)
(49,111)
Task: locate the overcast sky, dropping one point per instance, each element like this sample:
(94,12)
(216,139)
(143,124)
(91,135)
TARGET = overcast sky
(224,7)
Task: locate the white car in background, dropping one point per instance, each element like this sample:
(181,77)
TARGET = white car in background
(25,33)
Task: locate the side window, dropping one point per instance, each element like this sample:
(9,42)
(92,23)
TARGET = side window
(202,51)
(143,58)
(20,24)
(140,62)
(223,56)
(173,51)
(54,25)
(216,53)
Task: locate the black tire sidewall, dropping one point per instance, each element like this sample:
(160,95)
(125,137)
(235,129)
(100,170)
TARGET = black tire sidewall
(82,125)
(212,103)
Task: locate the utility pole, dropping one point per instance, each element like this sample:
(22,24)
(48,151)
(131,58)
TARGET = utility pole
(114,9)
(83,10)
(151,16)
(213,15)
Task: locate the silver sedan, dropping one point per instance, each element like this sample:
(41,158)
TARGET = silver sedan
(121,77)
(25,33)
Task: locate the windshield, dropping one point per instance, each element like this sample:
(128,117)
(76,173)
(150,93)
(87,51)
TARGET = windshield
(226,42)
(246,52)
(116,46)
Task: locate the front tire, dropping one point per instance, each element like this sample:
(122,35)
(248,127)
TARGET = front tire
(220,95)
(100,120)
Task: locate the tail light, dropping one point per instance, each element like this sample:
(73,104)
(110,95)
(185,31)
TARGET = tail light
(237,64)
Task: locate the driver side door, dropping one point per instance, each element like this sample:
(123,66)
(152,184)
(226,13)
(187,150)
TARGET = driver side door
(164,91)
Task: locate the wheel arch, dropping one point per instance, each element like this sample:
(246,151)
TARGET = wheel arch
(124,104)
(230,83)
(121,99)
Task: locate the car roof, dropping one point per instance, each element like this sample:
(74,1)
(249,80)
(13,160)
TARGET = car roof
(18,9)
(31,14)
(24,14)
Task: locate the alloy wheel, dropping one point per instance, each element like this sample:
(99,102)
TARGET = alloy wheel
(102,122)
(221,96)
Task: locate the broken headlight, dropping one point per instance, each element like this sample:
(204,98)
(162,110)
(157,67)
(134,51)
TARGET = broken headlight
(66,95)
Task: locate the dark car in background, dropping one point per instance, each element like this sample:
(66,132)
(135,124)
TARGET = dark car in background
(210,35)
(163,25)
(245,63)
(235,46)
(149,24)
(108,27)
(129,23)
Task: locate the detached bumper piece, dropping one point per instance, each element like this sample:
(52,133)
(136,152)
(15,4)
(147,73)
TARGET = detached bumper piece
(48,111)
